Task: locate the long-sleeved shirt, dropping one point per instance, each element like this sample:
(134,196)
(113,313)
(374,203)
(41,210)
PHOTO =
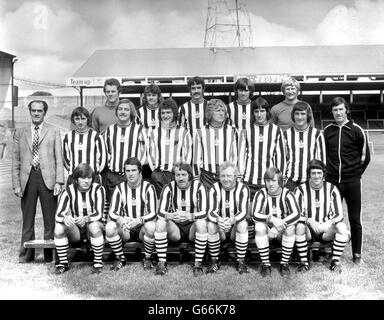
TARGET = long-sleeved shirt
(321,204)
(240,115)
(133,202)
(166,146)
(228,203)
(347,152)
(283,206)
(301,147)
(260,147)
(78,203)
(192,200)
(87,147)
(123,143)
(212,146)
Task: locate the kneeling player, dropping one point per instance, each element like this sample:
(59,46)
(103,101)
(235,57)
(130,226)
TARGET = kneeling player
(182,216)
(228,203)
(276,212)
(79,215)
(322,215)
(132,214)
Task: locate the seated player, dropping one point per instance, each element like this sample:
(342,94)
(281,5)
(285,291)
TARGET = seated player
(167,145)
(182,216)
(276,212)
(78,216)
(132,214)
(228,203)
(321,216)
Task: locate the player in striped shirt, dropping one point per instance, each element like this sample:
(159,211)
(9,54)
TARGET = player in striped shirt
(168,144)
(83,145)
(132,214)
(321,216)
(228,205)
(123,140)
(240,109)
(148,113)
(303,143)
(182,216)
(78,216)
(214,143)
(192,113)
(276,212)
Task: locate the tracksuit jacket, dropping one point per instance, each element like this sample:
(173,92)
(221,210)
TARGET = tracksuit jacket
(347,152)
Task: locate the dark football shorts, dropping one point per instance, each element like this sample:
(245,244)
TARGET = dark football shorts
(184,228)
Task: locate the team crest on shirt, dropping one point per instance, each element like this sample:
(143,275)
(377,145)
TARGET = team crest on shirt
(261,137)
(183,203)
(123,138)
(217,141)
(317,203)
(152,123)
(80,146)
(197,114)
(274,210)
(244,116)
(166,142)
(133,201)
(301,144)
(227,204)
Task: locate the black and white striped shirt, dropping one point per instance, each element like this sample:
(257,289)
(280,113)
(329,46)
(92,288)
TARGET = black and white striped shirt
(240,115)
(192,115)
(192,200)
(133,202)
(123,143)
(81,203)
(260,147)
(228,203)
(88,147)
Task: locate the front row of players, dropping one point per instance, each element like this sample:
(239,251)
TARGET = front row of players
(187,211)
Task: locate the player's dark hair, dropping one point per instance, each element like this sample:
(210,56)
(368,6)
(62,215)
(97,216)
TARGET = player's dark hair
(183,166)
(154,89)
(302,106)
(169,103)
(340,100)
(78,112)
(244,84)
(194,81)
(133,161)
(83,170)
(44,103)
(112,82)
(260,103)
(271,172)
(316,164)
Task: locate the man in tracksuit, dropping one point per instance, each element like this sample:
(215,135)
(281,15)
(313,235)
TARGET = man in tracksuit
(347,158)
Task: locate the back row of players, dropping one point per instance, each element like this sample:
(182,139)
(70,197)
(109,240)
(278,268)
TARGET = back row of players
(203,148)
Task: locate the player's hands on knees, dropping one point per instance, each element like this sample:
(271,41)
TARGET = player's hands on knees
(273,233)
(69,221)
(279,224)
(175,216)
(133,223)
(221,223)
(81,221)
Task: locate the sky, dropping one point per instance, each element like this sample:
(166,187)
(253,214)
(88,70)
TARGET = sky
(53,38)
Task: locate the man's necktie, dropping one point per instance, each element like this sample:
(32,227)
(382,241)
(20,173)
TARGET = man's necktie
(35,148)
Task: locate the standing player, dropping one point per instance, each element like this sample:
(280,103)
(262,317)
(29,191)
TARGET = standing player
(168,144)
(303,144)
(132,214)
(240,109)
(321,216)
(192,113)
(123,140)
(83,145)
(78,216)
(347,158)
(148,113)
(105,115)
(214,143)
(276,213)
(182,216)
(281,112)
(228,204)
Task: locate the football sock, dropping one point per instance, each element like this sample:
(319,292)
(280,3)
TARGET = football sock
(263,247)
(117,246)
(200,246)
(338,246)
(97,247)
(161,244)
(149,246)
(302,247)
(241,244)
(287,244)
(214,245)
(62,249)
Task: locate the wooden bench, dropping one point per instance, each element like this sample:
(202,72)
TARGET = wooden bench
(180,249)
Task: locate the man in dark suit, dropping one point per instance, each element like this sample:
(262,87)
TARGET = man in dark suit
(37,172)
